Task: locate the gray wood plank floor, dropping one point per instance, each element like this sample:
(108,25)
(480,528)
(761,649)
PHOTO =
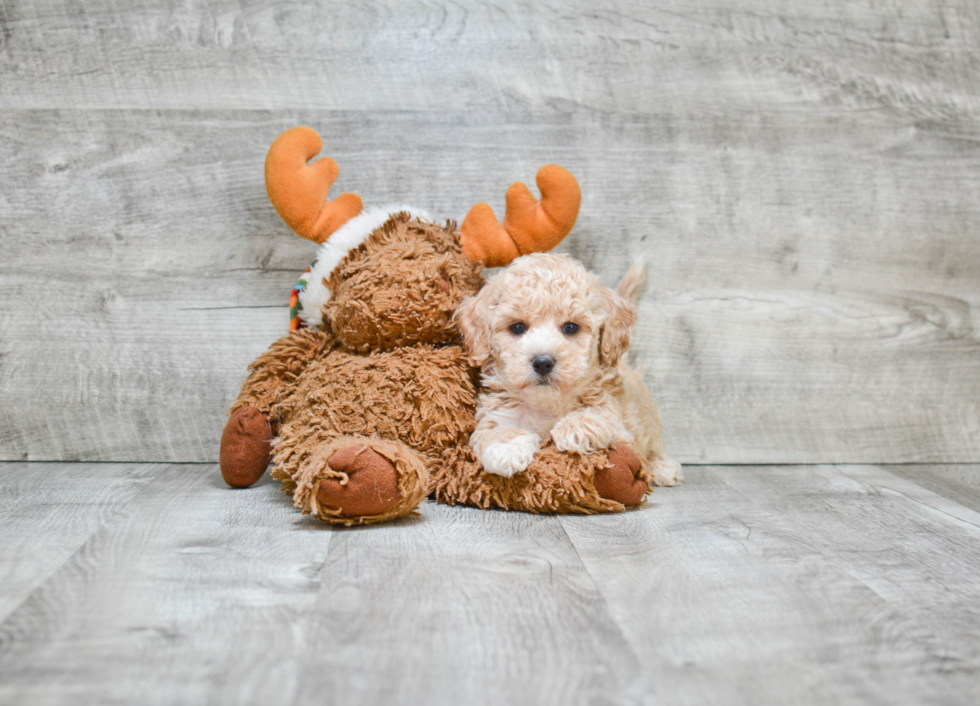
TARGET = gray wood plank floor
(155,584)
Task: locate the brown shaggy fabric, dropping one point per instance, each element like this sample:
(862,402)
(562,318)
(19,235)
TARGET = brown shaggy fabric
(403,404)
(423,395)
(555,482)
(400,287)
(302,468)
(273,374)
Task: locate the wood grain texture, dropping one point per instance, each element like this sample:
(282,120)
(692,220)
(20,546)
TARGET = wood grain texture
(465,606)
(610,57)
(49,511)
(744,585)
(195,593)
(957,482)
(777,585)
(192,593)
(813,283)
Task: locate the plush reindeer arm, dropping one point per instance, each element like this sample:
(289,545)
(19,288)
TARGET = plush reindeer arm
(253,420)
(272,374)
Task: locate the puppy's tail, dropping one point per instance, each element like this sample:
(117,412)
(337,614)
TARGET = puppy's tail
(629,287)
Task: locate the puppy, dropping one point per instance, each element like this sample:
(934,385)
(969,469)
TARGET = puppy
(551,343)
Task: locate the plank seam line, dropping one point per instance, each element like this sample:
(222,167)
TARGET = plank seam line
(605,603)
(88,540)
(921,496)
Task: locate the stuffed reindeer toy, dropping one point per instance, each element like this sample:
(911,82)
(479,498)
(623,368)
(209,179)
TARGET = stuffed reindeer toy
(366,406)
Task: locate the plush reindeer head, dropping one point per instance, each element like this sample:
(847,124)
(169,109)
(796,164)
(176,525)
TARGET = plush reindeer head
(391,277)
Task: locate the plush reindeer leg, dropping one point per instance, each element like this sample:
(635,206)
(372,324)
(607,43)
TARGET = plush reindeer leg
(620,481)
(246,447)
(371,487)
(246,443)
(349,479)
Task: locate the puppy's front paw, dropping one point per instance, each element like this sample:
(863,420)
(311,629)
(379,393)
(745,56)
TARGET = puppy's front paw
(506,458)
(578,433)
(665,472)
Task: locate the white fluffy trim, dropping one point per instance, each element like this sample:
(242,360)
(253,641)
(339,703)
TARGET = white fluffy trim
(335,248)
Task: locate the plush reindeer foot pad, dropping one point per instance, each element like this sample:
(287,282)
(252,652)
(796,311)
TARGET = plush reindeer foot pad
(619,482)
(246,446)
(371,487)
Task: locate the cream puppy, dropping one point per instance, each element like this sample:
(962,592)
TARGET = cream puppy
(551,343)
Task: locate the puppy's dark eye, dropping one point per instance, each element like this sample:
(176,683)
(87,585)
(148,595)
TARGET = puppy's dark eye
(518,329)
(569,329)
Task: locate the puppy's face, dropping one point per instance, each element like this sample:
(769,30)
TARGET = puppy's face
(542,324)
(543,338)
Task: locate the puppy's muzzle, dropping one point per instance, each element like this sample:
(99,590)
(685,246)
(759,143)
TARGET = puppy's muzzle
(543,364)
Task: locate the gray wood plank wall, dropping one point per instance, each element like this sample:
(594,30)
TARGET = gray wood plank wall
(803,180)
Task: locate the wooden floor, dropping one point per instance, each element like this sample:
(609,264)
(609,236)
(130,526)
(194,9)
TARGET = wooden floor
(154,583)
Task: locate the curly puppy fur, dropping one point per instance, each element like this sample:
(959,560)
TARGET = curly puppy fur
(551,341)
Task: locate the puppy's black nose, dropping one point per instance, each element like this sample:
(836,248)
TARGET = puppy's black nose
(543,364)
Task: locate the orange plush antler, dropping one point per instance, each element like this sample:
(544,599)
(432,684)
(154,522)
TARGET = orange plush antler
(298,189)
(529,225)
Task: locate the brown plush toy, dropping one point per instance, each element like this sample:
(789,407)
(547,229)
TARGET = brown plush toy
(369,403)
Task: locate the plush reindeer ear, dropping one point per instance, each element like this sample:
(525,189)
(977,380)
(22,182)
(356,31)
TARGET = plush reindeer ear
(529,225)
(473,318)
(619,322)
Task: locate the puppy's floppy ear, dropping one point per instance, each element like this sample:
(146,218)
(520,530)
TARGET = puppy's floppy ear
(473,318)
(618,325)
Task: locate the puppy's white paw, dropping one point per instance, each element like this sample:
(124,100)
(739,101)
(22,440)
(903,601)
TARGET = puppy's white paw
(509,457)
(666,472)
(576,433)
